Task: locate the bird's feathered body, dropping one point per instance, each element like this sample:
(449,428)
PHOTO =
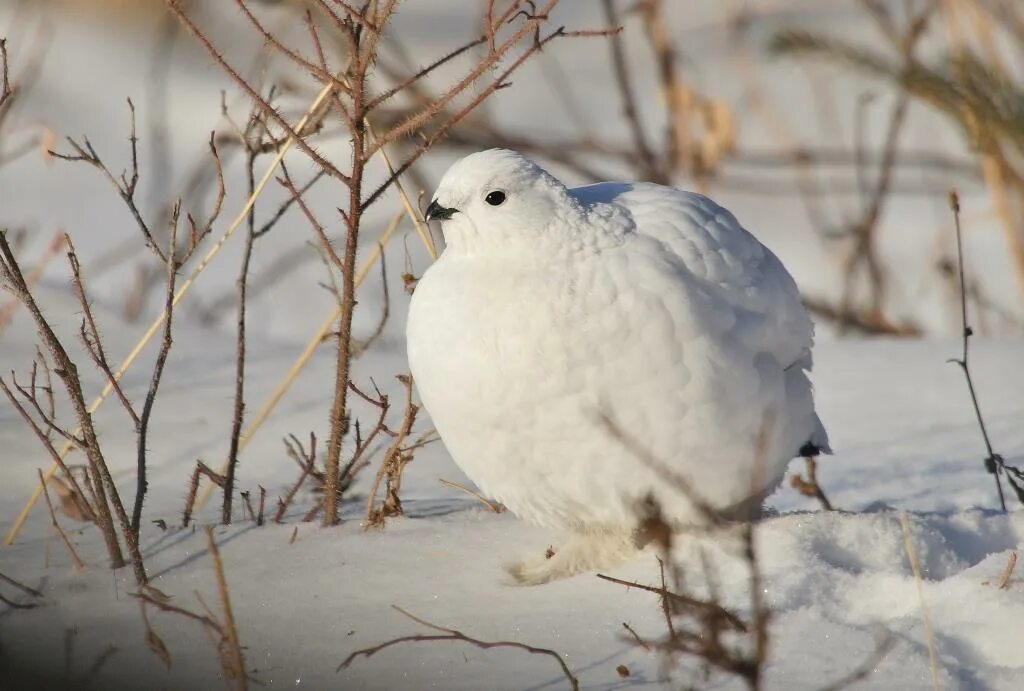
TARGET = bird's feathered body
(578,350)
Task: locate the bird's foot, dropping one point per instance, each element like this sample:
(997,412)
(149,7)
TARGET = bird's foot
(582,552)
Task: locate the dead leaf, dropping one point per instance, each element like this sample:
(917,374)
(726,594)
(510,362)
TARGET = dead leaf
(71,503)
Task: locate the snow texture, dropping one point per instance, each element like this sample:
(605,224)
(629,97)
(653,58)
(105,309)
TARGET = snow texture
(903,433)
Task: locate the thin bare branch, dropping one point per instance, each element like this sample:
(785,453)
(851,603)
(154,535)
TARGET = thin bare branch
(446,634)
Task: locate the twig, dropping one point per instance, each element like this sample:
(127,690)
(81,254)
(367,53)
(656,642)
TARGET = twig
(45,441)
(705,608)
(395,459)
(182,291)
(141,483)
(125,186)
(60,531)
(636,637)
(933,657)
(456,635)
(7,311)
(307,353)
(240,342)
(994,461)
(104,486)
(201,469)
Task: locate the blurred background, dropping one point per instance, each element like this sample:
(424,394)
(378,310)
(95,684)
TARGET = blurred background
(834,129)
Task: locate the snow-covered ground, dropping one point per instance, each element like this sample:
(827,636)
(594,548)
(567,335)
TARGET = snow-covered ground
(904,438)
(897,412)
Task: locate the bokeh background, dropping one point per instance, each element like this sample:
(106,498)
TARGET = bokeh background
(833,128)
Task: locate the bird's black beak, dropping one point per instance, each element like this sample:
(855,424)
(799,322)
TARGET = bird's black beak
(437,212)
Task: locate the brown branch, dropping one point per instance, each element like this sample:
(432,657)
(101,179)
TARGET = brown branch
(317,71)
(7,311)
(709,609)
(393,464)
(864,321)
(10,274)
(993,461)
(42,436)
(240,344)
(90,333)
(306,464)
(268,110)
(46,417)
(446,634)
(125,186)
(458,116)
(413,122)
(201,470)
(142,485)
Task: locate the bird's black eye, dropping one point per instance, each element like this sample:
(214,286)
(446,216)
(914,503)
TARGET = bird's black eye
(495,198)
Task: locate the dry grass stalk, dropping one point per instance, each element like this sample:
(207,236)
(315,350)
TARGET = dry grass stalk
(223,632)
(446,634)
(929,637)
(234,648)
(1011,563)
(104,488)
(493,506)
(56,526)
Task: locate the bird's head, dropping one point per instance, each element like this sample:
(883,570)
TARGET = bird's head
(496,197)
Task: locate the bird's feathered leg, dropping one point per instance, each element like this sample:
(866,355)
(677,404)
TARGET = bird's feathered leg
(581,552)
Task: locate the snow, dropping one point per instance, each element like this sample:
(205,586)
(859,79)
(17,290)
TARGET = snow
(898,414)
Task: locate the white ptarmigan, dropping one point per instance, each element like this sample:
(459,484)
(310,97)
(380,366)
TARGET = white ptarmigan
(580,349)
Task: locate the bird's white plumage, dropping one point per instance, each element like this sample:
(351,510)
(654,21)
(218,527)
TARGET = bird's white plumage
(639,303)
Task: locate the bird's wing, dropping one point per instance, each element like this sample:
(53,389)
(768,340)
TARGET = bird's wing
(740,281)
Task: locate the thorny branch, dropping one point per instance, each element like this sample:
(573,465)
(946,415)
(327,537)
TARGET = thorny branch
(125,186)
(104,488)
(446,634)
